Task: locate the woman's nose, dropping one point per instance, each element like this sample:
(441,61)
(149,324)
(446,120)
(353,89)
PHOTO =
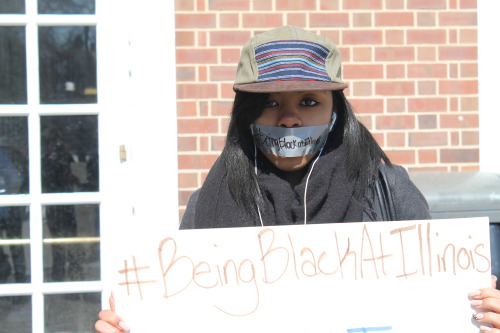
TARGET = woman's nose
(289,117)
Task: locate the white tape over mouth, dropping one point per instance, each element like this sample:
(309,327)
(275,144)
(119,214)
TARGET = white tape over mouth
(290,141)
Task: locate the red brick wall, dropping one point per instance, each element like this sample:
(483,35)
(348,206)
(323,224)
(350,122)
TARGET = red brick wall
(411,66)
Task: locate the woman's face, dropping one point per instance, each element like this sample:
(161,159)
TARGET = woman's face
(296,109)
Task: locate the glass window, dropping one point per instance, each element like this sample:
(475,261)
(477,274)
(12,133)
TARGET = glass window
(66,6)
(71,312)
(14,173)
(69,154)
(14,244)
(15,314)
(71,243)
(67,64)
(12,7)
(67,161)
(12,65)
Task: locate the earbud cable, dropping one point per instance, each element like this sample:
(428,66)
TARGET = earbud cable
(257,182)
(334,118)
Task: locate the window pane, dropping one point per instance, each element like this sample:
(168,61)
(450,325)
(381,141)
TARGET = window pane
(66,6)
(69,154)
(71,312)
(15,314)
(12,7)
(12,65)
(14,173)
(67,64)
(71,243)
(14,244)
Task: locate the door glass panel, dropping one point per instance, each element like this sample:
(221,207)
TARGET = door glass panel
(12,65)
(66,6)
(14,173)
(14,244)
(12,7)
(15,314)
(69,154)
(66,162)
(67,64)
(71,250)
(71,312)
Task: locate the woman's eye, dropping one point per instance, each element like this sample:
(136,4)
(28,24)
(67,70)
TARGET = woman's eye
(270,104)
(308,102)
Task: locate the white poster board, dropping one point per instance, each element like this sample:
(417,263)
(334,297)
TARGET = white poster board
(403,277)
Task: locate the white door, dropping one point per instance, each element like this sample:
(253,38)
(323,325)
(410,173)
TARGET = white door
(87,145)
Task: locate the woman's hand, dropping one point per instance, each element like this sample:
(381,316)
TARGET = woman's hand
(109,321)
(487,302)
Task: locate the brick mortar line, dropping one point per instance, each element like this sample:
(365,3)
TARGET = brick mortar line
(378,80)
(330,11)
(340,45)
(420,148)
(337,29)
(204,117)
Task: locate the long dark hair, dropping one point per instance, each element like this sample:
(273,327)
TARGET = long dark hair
(363,152)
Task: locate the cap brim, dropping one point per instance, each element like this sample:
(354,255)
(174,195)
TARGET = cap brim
(283,86)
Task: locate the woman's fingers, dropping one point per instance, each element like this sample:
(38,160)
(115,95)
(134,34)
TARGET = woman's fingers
(102,326)
(484,293)
(487,329)
(486,299)
(112,302)
(487,302)
(489,321)
(109,321)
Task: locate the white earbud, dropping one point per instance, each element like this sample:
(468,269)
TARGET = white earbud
(334,118)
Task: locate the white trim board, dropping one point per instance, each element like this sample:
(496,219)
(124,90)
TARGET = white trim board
(489,75)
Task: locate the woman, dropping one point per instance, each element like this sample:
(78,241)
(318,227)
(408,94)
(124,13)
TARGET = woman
(289,79)
(295,152)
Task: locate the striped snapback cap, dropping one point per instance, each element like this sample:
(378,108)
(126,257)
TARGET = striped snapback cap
(289,59)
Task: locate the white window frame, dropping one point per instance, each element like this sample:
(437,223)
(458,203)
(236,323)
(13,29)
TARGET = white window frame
(137,111)
(146,184)
(141,90)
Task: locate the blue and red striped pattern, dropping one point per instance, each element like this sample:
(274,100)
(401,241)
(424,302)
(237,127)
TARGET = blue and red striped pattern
(291,60)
